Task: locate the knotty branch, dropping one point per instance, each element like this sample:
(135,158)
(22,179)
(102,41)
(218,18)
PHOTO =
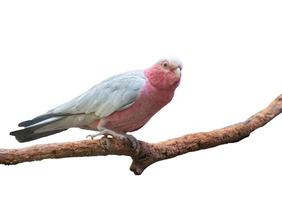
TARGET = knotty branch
(148,153)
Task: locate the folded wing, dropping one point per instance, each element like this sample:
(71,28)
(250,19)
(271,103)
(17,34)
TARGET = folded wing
(111,95)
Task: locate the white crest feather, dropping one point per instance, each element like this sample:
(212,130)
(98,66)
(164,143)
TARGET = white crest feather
(173,60)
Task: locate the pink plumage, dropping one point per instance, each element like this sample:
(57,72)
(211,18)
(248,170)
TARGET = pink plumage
(157,92)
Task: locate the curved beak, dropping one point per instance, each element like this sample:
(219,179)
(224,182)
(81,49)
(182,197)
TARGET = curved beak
(177,72)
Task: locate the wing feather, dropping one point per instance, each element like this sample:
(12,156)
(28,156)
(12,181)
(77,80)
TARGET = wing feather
(116,93)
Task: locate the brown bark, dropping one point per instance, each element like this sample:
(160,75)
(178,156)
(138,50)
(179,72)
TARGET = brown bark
(149,153)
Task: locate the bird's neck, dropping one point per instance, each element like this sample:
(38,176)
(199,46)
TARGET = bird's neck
(160,80)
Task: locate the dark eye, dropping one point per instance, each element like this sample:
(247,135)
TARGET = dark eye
(165,64)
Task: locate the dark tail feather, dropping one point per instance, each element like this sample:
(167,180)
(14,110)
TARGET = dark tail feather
(27,134)
(37,119)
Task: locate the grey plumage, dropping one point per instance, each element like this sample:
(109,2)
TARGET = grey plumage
(114,94)
(107,97)
(26,135)
(37,119)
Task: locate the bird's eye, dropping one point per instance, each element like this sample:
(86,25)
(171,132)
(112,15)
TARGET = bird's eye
(165,64)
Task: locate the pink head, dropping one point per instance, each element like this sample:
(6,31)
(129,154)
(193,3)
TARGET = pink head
(165,74)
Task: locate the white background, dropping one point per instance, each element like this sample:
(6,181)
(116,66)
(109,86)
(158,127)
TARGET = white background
(51,51)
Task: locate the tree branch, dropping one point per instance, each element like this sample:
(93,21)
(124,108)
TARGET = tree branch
(149,153)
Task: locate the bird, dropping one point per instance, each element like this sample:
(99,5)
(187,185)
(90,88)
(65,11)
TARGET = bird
(120,104)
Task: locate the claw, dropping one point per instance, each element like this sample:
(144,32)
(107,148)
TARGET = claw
(94,135)
(105,138)
(106,142)
(134,142)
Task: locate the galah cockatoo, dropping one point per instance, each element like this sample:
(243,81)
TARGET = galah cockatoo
(120,104)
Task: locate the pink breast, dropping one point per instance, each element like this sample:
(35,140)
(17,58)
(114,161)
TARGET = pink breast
(150,101)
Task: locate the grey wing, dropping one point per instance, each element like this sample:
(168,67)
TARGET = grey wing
(113,94)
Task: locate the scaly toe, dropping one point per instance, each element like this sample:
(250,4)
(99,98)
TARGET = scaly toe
(134,142)
(106,142)
(94,135)
(90,136)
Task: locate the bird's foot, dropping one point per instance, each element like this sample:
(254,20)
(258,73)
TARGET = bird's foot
(92,136)
(105,139)
(134,142)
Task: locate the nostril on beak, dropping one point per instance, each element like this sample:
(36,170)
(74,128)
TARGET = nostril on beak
(180,67)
